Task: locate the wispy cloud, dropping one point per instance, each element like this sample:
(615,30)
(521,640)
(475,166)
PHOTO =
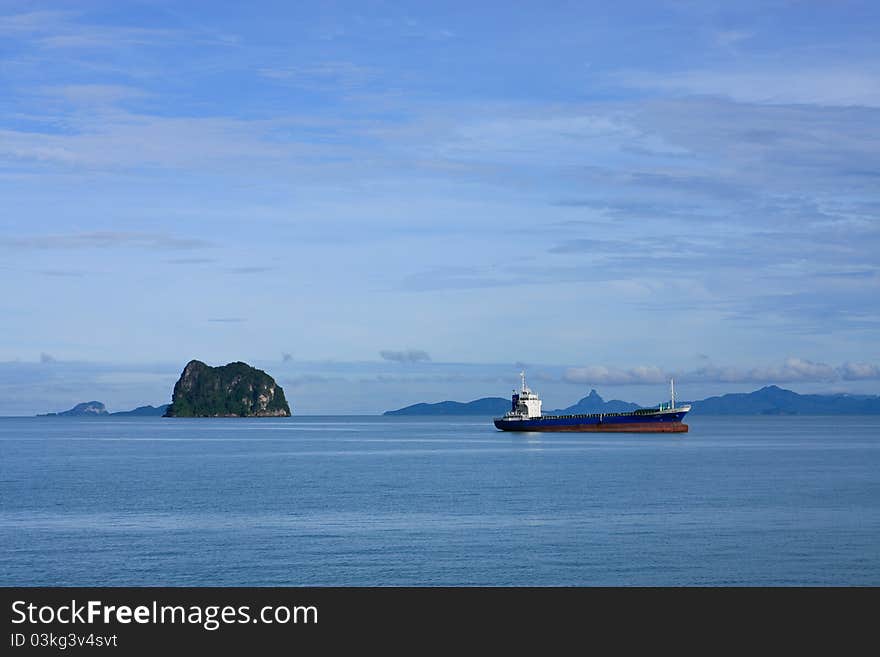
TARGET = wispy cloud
(329,75)
(569,138)
(840,86)
(730,38)
(455,278)
(126,140)
(405,356)
(307,380)
(71,30)
(391,379)
(189,261)
(254,269)
(104,240)
(792,370)
(33,22)
(90,95)
(62,273)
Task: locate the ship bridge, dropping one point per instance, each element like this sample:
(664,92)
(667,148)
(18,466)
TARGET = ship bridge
(525,403)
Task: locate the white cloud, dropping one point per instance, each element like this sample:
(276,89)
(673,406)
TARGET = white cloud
(798,369)
(599,374)
(857,371)
(790,371)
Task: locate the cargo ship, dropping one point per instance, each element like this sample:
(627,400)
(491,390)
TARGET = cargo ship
(525,415)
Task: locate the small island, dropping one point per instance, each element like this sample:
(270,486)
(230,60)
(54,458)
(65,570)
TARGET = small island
(233,390)
(487,406)
(85,409)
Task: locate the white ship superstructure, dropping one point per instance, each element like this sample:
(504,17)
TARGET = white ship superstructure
(526,404)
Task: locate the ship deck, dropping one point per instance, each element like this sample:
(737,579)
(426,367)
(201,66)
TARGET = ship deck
(638,412)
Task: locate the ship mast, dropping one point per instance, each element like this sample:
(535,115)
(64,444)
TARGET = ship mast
(672,392)
(522,375)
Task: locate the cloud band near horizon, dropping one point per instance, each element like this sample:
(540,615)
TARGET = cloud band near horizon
(790,371)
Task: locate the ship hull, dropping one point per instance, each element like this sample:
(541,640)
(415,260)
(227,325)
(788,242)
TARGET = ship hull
(610,423)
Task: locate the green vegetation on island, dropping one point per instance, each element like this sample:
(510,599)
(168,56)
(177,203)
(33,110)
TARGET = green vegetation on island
(233,390)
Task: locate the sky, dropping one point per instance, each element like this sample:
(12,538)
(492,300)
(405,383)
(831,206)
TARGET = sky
(382,203)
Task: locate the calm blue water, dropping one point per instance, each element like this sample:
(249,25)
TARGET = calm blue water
(372,501)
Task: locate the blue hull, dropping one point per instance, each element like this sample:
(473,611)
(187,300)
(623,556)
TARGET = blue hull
(658,422)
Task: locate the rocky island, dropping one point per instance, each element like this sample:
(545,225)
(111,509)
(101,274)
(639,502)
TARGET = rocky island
(85,409)
(233,390)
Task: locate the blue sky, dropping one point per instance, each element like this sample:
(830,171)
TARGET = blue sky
(384,203)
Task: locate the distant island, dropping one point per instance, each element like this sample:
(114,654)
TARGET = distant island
(97,409)
(232,390)
(773,400)
(144,411)
(769,400)
(85,409)
(485,406)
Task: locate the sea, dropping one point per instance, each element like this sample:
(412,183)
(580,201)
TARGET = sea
(374,501)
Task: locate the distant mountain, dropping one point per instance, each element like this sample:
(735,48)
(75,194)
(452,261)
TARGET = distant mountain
(770,400)
(773,400)
(593,403)
(487,406)
(97,409)
(86,409)
(144,411)
(496,406)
